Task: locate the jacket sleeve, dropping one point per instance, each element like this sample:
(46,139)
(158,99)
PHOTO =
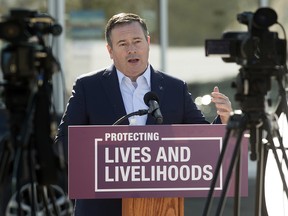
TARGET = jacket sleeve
(75,114)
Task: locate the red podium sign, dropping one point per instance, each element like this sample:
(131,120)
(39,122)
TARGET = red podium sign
(149,161)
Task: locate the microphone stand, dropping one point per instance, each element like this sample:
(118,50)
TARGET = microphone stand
(139,112)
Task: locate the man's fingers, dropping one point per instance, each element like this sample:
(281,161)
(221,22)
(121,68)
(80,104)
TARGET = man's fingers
(216,89)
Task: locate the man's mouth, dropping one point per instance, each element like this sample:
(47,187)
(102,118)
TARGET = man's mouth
(134,60)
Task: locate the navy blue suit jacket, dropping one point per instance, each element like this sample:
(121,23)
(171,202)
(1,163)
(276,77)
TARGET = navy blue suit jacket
(96,100)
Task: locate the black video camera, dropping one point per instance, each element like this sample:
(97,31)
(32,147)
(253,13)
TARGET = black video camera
(26,51)
(23,24)
(260,53)
(28,64)
(258,47)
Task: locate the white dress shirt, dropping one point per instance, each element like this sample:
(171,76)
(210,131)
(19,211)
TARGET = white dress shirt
(133,94)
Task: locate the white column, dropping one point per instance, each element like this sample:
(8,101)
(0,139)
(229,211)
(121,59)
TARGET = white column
(264,3)
(56,8)
(164,33)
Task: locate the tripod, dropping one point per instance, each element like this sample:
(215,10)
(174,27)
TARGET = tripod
(29,154)
(257,121)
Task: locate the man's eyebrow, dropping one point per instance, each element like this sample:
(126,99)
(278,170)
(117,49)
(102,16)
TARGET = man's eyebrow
(135,38)
(120,41)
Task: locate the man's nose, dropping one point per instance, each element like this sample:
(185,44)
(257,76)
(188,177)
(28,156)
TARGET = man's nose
(132,48)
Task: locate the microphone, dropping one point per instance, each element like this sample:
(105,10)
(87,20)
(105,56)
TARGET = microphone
(152,101)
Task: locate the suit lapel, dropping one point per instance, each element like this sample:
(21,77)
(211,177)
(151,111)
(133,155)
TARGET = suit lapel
(157,86)
(112,89)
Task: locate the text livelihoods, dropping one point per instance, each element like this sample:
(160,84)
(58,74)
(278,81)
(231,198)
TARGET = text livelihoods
(158,173)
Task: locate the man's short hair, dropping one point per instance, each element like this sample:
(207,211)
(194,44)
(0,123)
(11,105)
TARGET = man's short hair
(123,19)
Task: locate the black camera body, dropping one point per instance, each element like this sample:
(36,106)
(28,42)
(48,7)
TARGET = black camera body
(258,47)
(28,64)
(22,24)
(26,50)
(260,52)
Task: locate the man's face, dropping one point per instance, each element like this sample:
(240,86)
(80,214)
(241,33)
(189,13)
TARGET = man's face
(130,49)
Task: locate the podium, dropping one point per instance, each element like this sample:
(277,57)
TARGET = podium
(172,206)
(151,168)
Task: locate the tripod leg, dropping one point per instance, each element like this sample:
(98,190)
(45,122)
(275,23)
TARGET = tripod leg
(259,179)
(237,185)
(5,157)
(235,158)
(281,146)
(49,200)
(53,200)
(273,148)
(273,136)
(208,203)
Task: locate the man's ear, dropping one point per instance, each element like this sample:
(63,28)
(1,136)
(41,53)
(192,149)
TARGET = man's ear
(109,48)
